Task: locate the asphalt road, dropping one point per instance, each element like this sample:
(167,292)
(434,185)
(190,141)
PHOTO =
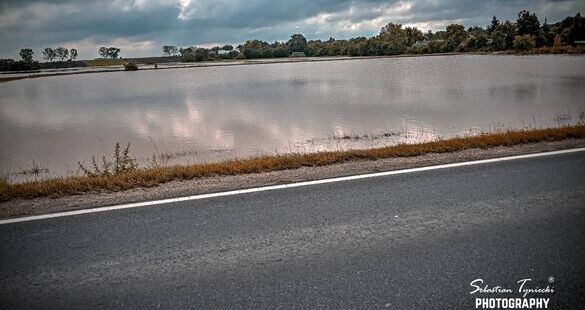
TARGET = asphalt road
(402,242)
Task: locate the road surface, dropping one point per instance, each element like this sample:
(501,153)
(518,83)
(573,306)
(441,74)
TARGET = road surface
(405,241)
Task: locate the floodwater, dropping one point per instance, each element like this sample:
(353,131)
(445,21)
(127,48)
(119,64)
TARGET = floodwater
(206,114)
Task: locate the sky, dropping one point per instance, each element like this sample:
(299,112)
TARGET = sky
(141,27)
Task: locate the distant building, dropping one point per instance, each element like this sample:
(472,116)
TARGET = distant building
(580,42)
(298,54)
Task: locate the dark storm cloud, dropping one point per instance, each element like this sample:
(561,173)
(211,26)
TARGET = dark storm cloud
(141,26)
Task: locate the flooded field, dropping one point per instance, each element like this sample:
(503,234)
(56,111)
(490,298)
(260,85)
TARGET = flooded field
(49,124)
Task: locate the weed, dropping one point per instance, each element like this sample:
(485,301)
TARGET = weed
(130,66)
(34,169)
(563,119)
(122,163)
(104,62)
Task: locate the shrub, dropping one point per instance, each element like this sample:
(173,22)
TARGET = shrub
(130,66)
(20,65)
(121,163)
(524,42)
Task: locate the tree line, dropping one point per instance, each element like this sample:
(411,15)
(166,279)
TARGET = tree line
(66,58)
(192,53)
(60,53)
(523,34)
(50,54)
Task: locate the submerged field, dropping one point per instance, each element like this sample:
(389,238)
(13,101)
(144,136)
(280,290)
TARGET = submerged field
(204,115)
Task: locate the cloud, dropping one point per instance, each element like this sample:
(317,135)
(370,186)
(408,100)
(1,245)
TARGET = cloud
(140,27)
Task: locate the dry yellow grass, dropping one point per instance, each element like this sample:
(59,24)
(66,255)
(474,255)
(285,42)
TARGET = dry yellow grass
(149,177)
(104,62)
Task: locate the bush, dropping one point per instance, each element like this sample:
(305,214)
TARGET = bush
(524,42)
(62,64)
(130,66)
(20,65)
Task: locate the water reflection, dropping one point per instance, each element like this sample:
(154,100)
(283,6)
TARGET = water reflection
(208,114)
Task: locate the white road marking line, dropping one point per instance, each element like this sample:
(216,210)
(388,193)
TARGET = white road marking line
(283,186)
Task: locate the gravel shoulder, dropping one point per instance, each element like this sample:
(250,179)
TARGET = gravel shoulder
(21,207)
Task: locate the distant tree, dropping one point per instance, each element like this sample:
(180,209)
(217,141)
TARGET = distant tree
(392,33)
(482,40)
(103,52)
(7,64)
(113,52)
(188,54)
(62,53)
(527,23)
(170,50)
(498,40)
(393,39)
(27,55)
(174,50)
(376,47)
(547,34)
(109,52)
(572,29)
(454,37)
(73,54)
(524,42)
(279,50)
(256,49)
(412,35)
(493,25)
(201,54)
(215,49)
(503,36)
(297,43)
(545,25)
(49,54)
(509,30)
(476,39)
(192,54)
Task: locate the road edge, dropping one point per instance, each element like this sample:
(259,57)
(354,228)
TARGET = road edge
(287,185)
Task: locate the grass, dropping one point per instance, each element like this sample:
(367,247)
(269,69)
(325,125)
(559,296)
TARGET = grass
(103,62)
(565,49)
(149,177)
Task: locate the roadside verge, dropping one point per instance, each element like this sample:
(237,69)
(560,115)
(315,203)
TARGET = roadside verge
(212,184)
